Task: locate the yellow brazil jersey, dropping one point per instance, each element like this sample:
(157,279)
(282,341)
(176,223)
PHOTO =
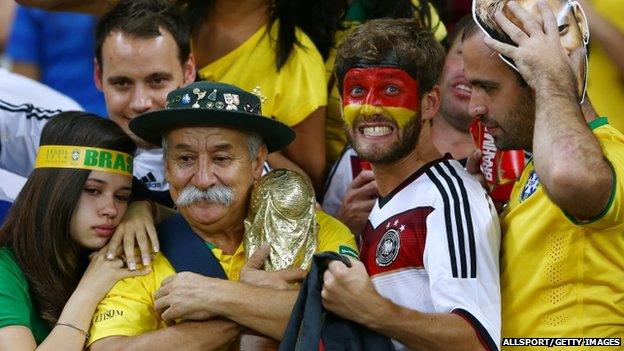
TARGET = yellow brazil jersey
(290,95)
(335,137)
(561,278)
(128,308)
(605,82)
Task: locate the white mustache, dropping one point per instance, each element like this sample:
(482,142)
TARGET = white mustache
(219,194)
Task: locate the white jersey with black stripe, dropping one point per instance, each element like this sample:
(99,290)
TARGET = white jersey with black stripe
(25,107)
(432,245)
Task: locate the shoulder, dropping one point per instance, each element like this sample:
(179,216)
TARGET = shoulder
(17,91)
(452,181)
(334,236)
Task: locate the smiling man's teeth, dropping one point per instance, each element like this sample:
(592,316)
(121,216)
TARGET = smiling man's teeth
(464,87)
(376,131)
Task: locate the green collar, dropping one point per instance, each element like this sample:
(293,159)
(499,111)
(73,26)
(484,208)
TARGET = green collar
(598,122)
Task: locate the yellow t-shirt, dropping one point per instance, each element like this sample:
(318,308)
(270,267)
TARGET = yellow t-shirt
(290,95)
(335,137)
(605,82)
(560,278)
(128,308)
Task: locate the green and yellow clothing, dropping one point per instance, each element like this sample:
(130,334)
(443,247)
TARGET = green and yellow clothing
(128,308)
(16,304)
(560,277)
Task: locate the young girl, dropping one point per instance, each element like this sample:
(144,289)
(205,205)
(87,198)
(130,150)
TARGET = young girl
(51,279)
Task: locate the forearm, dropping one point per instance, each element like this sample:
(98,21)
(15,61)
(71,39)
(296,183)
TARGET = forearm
(568,158)
(308,148)
(78,312)
(264,310)
(206,335)
(423,331)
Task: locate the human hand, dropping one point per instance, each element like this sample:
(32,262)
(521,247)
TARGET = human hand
(349,292)
(358,201)
(137,225)
(539,56)
(283,279)
(186,296)
(101,274)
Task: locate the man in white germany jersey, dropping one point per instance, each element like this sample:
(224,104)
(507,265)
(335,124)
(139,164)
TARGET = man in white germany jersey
(431,243)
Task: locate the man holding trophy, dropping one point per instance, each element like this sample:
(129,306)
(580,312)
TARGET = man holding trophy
(215,141)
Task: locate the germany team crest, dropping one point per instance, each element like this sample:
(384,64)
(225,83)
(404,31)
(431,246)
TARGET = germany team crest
(388,248)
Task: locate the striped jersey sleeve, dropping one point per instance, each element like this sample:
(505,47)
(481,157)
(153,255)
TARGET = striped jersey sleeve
(462,250)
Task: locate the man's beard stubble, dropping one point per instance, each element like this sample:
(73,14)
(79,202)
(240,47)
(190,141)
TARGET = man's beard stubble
(408,138)
(519,124)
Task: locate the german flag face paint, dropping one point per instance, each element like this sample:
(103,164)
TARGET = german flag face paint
(379,92)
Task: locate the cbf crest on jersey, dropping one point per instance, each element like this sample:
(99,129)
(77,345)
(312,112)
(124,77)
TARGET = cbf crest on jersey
(530,186)
(388,248)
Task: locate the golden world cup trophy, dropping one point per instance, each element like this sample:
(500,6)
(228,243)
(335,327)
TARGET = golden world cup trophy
(281,213)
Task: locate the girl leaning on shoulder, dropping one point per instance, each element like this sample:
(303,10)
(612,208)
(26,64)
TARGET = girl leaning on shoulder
(53,270)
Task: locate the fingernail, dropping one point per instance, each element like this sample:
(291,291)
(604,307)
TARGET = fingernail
(155,248)
(110,256)
(146,260)
(131,266)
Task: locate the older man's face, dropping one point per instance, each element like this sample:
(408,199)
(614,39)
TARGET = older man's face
(215,160)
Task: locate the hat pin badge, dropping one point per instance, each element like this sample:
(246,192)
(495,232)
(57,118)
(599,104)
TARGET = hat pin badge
(200,95)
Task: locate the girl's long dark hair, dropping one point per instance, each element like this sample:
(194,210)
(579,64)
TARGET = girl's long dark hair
(37,228)
(319,19)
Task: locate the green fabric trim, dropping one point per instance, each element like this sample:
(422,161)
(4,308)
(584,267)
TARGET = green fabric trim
(346,250)
(600,121)
(607,208)
(210,245)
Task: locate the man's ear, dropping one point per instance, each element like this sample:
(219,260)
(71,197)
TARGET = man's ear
(581,20)
(430,103)
(257,163)
(189,70)
(97,74)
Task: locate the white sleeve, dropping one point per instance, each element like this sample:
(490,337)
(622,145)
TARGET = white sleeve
(338,182)
(461,255)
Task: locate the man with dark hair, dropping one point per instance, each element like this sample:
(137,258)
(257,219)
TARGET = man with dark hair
(561,262)
(431,241)
(142,53)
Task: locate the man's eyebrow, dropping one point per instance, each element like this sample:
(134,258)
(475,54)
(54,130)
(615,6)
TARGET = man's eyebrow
(484,83)
(160,74)
(118,79)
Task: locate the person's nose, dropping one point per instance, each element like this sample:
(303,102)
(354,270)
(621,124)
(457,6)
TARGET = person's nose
(477,106)
(108,207)
(204,176)
(142,100)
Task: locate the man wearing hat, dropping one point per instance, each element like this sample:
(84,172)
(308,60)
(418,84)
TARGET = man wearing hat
(215,141)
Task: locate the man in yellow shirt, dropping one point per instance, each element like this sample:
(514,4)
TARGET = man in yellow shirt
(562,243)
(215,142)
